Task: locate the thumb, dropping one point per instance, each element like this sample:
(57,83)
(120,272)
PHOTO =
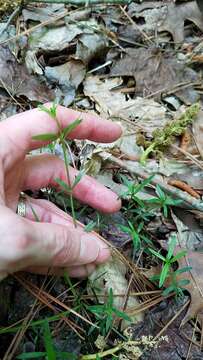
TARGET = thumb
(62,246)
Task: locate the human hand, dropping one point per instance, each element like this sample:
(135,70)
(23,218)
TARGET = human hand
(53,242)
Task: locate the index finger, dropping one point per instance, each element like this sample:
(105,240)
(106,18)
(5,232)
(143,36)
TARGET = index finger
(16,132)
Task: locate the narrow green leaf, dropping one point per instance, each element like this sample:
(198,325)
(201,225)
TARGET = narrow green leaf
(67,130)
(50,111)
(136,241)
(168,290)
(183,282)
(78,178)
(171,247)
(63,185)
(45,137)
(51,355)
(121,314)
(124,228)
(179,256)
(184,269)
(96,309)
(89,227)
(164,274)
(165,210)
(125,180)
(155,277)
(137,200)
(153,201)
(157,254)
(109,322)
(160,192)
(144,183)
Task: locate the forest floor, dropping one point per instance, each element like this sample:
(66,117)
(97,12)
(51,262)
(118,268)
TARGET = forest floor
(139,64)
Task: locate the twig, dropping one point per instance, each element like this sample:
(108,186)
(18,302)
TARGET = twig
(189,200)
(188,155)
(10,19)
(135,25)
(191,342)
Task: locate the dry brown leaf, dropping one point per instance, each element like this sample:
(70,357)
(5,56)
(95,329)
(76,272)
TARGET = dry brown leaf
(195,287)
(145,113)
(157,73)
(16,80)
(172,16)
(176,17)
(67,77)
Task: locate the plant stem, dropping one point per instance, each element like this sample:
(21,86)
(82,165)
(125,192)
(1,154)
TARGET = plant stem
(146,153)
(81,2)
(102,354)
(69,180)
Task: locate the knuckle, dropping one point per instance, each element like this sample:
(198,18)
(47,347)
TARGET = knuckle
(22,240)
(67,248)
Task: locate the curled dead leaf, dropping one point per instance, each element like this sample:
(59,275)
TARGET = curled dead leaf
(157,74)
(112,276)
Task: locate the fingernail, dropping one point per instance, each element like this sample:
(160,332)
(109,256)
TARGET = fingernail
(104,252)
(93,250)
(120,125)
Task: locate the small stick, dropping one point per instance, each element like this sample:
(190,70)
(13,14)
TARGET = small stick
(188,155)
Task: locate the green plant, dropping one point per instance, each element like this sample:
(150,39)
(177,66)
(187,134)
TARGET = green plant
(167,264)
(133,189)
(50,353)
(61,137)
(163,201)
(177,286)
(162,138)
(135,233)
(105,314)
(97,224)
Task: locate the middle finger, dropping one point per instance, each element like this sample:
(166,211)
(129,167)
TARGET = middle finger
(42,170)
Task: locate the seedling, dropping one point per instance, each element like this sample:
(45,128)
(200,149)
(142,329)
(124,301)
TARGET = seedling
(163,201)
(61,137)
(177,286)
(97,224)
(105,314)
(50,353)
(168,261)
(134,233)
(133,189)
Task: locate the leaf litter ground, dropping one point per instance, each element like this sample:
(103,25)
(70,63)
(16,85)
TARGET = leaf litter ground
(140,65)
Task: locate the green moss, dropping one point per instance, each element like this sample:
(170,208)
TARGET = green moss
(8,5)
(162,138)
